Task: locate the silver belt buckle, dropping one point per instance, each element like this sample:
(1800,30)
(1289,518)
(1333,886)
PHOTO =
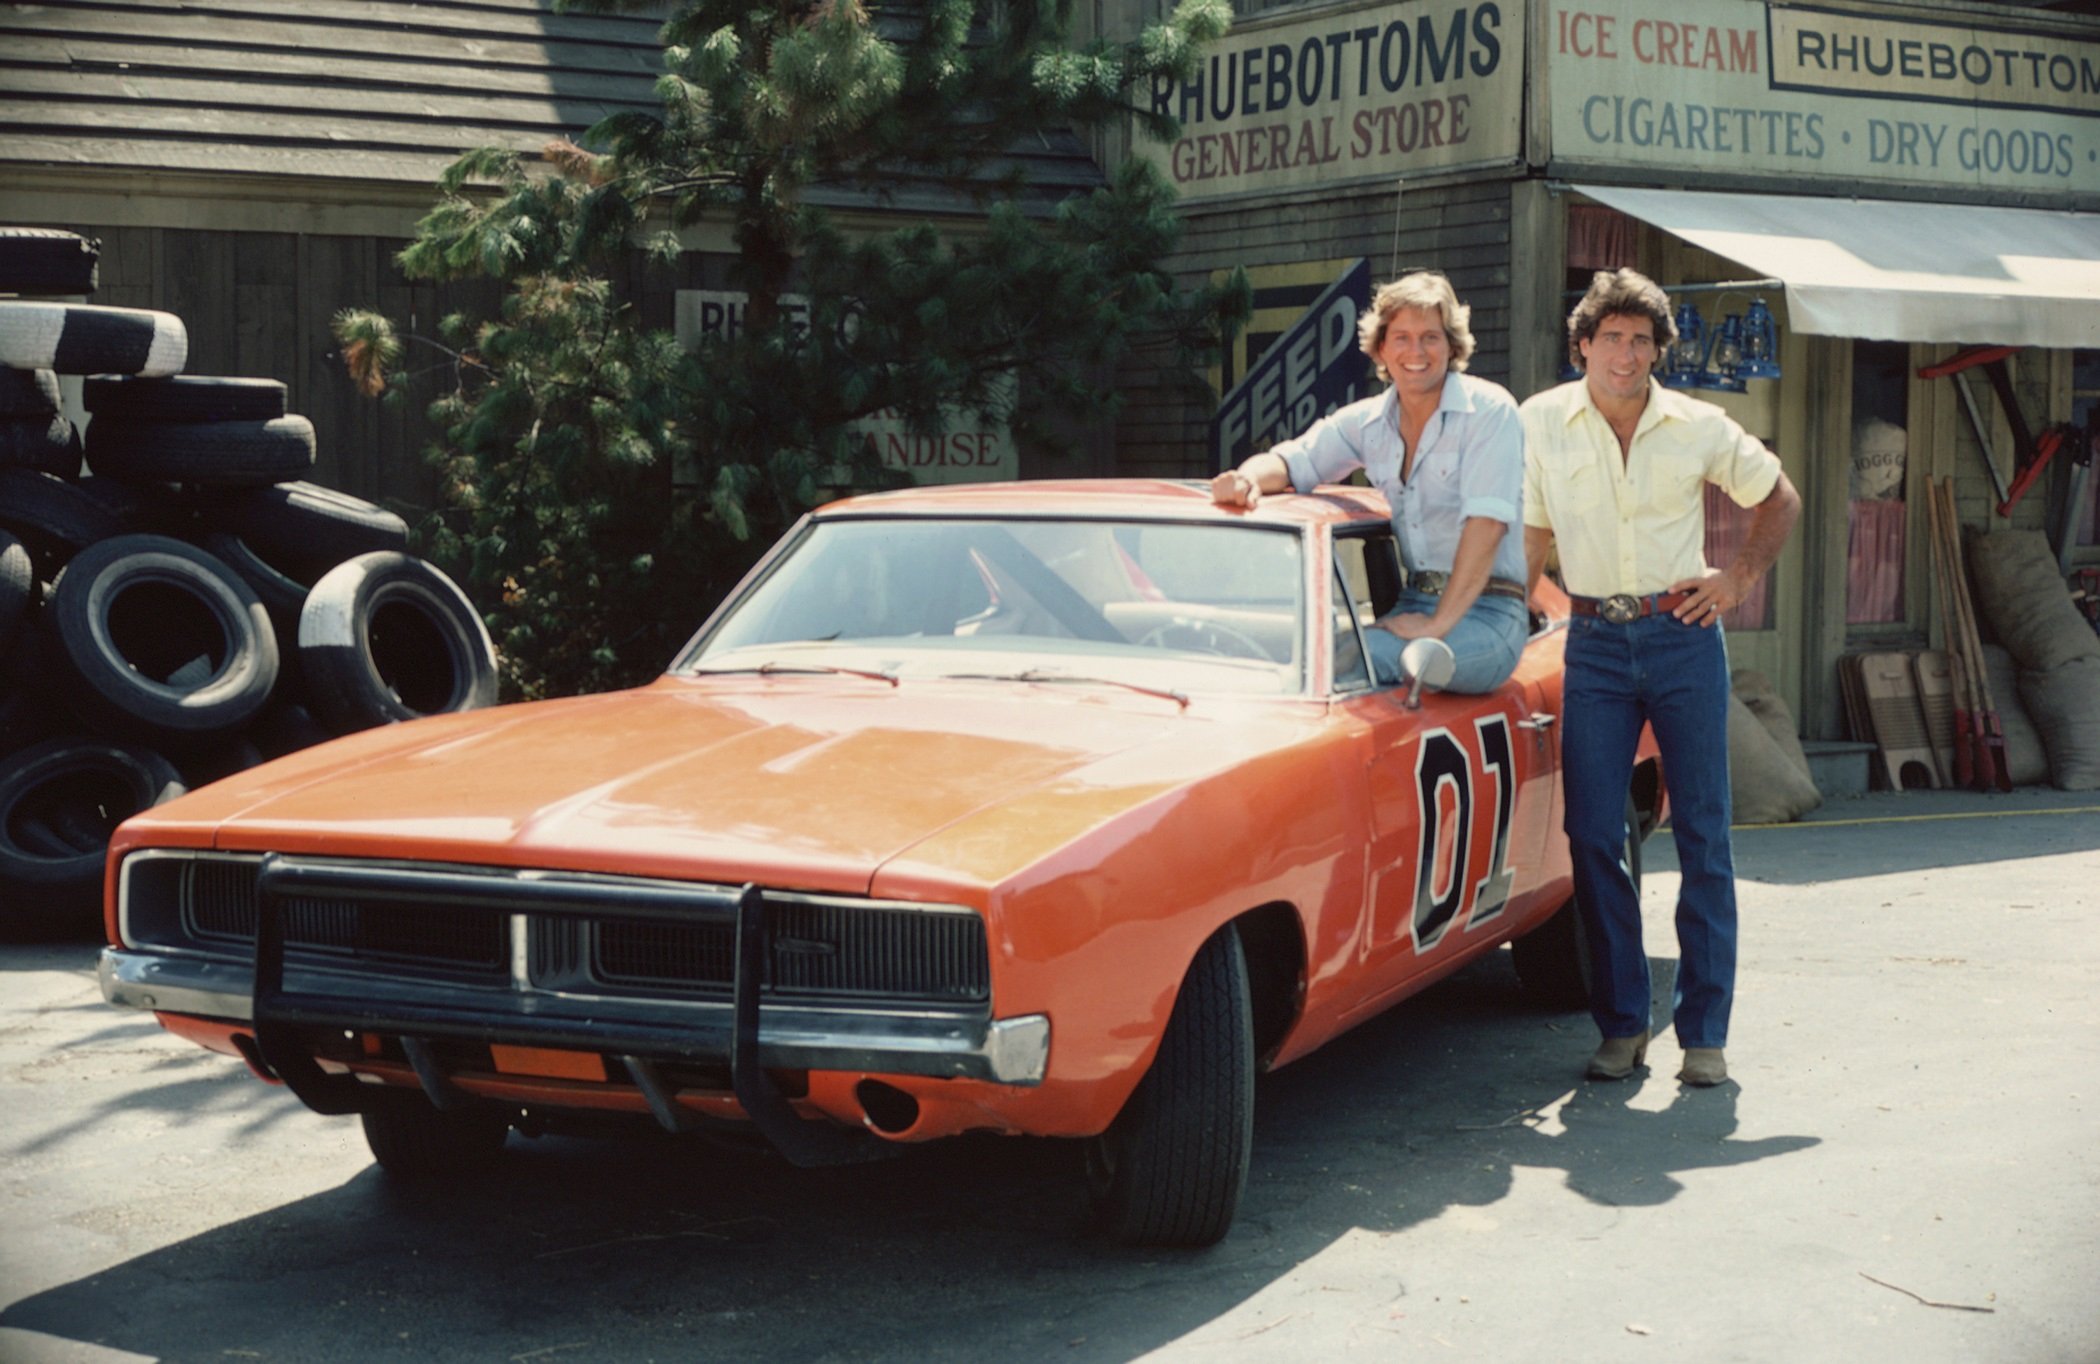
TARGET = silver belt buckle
(1620,609)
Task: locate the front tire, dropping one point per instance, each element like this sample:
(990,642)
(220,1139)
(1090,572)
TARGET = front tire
(416,1142)
(1169,1171)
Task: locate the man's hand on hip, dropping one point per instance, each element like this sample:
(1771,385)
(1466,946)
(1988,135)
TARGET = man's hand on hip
(1719,591)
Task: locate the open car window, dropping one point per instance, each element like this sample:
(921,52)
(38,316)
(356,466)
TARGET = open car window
(1195,607)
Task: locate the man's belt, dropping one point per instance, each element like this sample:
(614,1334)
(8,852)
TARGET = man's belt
(1626,607)
(1433,584)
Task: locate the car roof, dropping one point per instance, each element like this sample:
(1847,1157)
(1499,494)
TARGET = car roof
(1149,499)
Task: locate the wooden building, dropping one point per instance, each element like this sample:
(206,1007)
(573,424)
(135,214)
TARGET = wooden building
(255,165)
(1894,180)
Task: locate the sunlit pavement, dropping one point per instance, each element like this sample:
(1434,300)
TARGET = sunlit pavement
(1903,1168)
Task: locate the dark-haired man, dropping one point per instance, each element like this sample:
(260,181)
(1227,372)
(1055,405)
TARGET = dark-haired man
(1615,472)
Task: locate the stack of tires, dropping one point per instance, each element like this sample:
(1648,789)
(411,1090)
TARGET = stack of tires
(187,608)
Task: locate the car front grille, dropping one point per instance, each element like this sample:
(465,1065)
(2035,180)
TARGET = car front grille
(819,947)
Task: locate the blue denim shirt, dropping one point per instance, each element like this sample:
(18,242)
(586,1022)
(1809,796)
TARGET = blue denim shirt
(1471,463)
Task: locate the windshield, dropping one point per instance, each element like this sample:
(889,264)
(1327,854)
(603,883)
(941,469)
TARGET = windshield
(1185,607)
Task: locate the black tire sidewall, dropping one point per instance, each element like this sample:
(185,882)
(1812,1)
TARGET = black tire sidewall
(110,694)
(343,682)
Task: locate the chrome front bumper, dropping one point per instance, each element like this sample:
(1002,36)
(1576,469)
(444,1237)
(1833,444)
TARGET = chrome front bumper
(1011,1051)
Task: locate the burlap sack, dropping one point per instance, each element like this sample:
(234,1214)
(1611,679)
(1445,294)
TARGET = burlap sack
(1763,783)
(1756,691)
(2064,704)
(2025,758)
(2021,597)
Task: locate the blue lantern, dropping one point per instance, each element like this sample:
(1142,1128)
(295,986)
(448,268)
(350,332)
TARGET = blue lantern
(1760,343)
(1724,358)
(1688,351)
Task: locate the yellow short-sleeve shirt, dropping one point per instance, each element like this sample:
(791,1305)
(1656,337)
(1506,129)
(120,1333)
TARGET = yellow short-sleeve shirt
(1636,524)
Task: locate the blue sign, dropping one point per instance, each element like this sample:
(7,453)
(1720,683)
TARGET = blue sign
(1309,371)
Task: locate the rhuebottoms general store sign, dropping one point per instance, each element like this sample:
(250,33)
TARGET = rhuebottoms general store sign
(1368,94)
(1824,92)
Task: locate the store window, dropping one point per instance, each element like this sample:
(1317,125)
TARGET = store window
(1726,527)
(1877,523)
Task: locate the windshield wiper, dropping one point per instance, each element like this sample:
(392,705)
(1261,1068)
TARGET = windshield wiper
(772,669)
(1041,675)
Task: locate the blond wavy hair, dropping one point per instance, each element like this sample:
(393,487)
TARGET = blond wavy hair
(1429,291)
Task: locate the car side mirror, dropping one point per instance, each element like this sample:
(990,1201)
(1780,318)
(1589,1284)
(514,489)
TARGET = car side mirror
(1426,663)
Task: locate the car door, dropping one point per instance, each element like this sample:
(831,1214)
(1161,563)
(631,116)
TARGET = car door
(1461,794)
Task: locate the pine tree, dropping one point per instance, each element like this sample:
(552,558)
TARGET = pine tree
(557,446)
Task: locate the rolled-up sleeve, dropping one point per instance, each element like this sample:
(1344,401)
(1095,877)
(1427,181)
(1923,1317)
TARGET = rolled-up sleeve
(1740,465)
(1322,454)
(1491,474)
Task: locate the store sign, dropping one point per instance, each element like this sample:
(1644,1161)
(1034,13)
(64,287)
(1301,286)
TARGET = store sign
(969,449)
(1368,94)
(1310,369)
(1736,86)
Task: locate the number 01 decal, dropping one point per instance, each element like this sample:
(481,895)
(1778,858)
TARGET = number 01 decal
(1441,763)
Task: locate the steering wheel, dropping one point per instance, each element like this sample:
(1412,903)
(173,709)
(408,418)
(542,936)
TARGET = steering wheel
(1204,637)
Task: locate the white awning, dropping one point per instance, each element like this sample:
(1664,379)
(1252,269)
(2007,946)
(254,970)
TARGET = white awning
(1899,271)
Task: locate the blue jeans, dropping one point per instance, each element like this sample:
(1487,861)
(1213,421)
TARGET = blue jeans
(1486,641)
(1675,677)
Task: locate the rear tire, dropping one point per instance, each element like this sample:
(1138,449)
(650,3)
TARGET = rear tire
(1169,1171)
(1553,960)
(417,1142)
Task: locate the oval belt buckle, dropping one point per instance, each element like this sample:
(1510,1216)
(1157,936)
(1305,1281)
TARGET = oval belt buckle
(1621,609)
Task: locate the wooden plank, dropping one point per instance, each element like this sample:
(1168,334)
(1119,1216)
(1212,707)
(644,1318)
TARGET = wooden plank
(419,168)
(264,40)
(521,21)
(51,93)
(126,274)
(234,127)
(387,69)
(335,272)
(265,289)
(198,268)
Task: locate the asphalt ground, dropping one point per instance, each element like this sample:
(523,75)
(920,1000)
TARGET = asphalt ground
(1903,1168)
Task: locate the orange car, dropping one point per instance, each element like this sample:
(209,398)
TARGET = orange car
(1051,808)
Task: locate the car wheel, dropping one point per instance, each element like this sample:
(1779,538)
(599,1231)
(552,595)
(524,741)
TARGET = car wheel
(59,801)
(159,638)
(81,338)
(54,518)
(1553,960)
(47,443)
(386,637)
(47,260)
(210,454)
(185,398)
(29,392)
(416,1141)
(307,529)
(18,588)
(1170,1169)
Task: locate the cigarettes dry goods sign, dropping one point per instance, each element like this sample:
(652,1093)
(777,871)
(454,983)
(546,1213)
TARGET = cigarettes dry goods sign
(1369,94)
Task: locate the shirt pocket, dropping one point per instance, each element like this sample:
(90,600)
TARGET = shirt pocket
(1582,488)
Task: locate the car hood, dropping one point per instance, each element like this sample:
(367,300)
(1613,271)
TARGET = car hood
(807,781)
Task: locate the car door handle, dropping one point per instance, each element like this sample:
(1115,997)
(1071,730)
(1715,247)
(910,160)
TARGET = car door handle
(1539,721)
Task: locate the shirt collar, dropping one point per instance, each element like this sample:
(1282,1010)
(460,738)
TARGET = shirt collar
(1664,404)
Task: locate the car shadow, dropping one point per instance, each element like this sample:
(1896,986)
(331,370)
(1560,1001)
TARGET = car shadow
(964,1250)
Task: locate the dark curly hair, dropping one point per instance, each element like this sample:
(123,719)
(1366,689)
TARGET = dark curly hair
(1620,293)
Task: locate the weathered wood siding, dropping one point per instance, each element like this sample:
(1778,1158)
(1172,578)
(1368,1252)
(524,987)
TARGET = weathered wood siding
(1461,229)
(259,304)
